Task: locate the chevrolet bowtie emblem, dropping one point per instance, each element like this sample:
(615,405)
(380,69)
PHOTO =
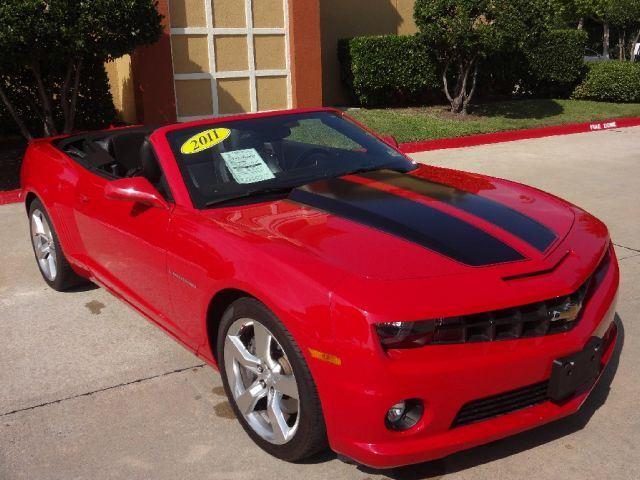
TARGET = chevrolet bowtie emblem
(567,312)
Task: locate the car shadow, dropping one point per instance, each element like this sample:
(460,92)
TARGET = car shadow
(85,287)
(517,443)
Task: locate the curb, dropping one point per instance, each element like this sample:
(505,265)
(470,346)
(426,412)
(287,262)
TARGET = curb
(10,196)
(513,135)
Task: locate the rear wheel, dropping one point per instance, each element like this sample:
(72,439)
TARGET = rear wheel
(52,263)
(268,382)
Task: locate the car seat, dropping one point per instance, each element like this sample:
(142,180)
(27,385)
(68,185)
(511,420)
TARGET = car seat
(125,148)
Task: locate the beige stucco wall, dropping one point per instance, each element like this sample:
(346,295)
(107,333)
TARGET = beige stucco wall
(351,18)
(122,89)
(187,13)
(406,26)
(190,53)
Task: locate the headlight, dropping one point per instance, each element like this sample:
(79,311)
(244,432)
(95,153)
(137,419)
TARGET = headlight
(406,334)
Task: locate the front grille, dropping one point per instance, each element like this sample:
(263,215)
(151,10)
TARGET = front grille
(537,319)
(501,404)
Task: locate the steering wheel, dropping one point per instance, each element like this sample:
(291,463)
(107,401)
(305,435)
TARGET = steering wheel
(310,158)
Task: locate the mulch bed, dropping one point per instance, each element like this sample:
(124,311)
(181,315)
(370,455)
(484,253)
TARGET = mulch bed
(11,153)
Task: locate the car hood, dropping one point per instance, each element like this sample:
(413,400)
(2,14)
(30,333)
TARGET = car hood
(429,222)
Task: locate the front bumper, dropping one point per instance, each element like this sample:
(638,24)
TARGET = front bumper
(446,377)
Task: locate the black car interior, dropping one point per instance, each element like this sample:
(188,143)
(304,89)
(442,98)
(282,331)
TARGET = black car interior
(209,174)
(118,154)
(294,148)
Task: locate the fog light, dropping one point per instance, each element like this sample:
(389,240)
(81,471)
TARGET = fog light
(396,412)
(404,415)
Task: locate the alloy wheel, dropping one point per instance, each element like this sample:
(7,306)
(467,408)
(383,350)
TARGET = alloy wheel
(261,381)
(43,245)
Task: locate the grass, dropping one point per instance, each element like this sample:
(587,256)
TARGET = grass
(415,124)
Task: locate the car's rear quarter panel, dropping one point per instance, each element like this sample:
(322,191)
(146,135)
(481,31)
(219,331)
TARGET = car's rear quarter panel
(51,176)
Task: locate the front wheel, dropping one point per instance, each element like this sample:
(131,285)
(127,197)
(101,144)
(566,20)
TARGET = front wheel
(268,383)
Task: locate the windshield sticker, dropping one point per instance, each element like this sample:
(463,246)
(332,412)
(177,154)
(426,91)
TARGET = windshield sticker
(247,166)
(204,140)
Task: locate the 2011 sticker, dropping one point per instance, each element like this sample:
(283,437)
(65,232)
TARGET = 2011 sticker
(204,140)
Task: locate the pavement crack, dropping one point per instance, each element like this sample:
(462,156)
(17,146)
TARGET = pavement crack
(628,248)
(112,387)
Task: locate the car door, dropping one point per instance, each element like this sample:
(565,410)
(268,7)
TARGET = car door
(125,245)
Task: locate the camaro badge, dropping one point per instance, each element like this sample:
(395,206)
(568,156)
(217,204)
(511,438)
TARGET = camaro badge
(182,279)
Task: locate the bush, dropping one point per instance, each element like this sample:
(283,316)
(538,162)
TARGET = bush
(94,110)
(396,70)
(501,75)
(550,66)
(610,82)
(388,70)
(556,62)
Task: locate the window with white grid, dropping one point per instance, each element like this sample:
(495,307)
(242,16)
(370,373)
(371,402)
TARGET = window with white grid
(230,56)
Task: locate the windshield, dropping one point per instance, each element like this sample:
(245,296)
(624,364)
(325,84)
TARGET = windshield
(238,159)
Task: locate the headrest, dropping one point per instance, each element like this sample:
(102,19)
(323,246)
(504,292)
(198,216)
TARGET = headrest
(150,166)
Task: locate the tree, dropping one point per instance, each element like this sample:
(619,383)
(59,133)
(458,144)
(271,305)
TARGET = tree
(625,16)
(597,10)
(52,40)
(464,32)
(560,14)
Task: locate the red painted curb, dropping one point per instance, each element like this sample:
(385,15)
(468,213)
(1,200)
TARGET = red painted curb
(11,196)
(513,135)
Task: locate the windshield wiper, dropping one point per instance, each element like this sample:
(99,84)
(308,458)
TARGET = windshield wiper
(255,193)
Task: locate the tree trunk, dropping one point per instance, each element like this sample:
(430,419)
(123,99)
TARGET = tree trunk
(632,51)
(605,40)
(581,24)
(446,83)
(70,117)
(64,90)
(47,109)
(24,131)
(456,105)
(621,49)
(472,91)
(461,96)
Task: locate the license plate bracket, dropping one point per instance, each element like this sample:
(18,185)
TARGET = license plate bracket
(573,372)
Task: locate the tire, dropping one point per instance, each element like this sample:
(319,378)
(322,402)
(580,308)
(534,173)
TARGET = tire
(52,263)
(307,433)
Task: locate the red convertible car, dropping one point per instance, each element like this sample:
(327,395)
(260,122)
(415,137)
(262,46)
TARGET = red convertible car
(349,297)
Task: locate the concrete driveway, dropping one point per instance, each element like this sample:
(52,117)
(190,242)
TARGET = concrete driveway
(89,389)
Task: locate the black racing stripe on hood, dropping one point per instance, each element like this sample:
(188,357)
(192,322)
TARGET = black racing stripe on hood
(413,221)
(516,223)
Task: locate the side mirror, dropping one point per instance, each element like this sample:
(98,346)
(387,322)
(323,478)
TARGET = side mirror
(390,141)
(135,189)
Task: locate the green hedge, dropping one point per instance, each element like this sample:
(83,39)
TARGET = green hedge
(612,81)
(558,56)
(550,67)
(394,70)
(388,70)
(94,108)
